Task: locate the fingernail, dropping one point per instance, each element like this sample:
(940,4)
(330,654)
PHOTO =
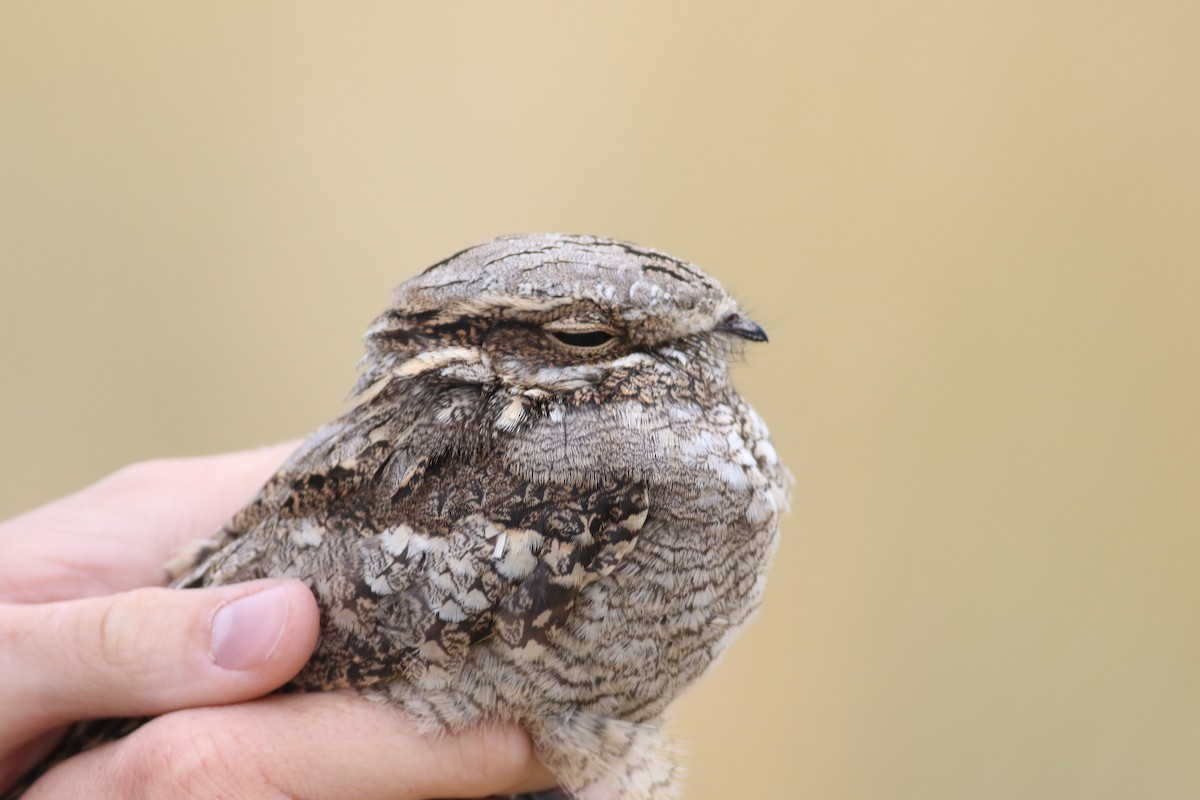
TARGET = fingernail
(245,631)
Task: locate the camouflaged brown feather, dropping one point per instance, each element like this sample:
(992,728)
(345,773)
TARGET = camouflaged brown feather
(546,503)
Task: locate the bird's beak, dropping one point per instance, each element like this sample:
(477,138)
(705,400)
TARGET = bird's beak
(743,326)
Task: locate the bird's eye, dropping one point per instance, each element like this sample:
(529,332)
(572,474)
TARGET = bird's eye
(583,338)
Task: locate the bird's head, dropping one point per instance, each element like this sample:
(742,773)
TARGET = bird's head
(575,318)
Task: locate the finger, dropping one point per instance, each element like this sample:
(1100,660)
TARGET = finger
(304,747)
(24,757)
(118,533)
(149,651)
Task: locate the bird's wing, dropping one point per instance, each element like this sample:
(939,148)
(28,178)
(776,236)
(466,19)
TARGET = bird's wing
(419,541)
(470,556)
(357,470)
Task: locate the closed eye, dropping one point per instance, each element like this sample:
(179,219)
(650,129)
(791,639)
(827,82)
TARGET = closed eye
(583,338)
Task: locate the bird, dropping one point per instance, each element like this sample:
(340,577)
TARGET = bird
(544,503)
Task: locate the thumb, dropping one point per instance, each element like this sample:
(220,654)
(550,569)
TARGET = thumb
(149,651)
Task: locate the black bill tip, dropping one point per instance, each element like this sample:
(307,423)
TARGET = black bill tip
(742,326)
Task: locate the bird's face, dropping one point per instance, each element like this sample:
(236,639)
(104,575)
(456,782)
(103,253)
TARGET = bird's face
(568,317)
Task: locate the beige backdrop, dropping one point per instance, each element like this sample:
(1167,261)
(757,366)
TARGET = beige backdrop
(970,227)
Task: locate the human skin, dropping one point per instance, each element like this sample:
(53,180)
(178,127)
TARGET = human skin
(86,632)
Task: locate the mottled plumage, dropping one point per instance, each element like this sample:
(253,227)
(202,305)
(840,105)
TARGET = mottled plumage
(546,503)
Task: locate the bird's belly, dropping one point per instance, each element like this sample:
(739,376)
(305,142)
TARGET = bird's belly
(635,640)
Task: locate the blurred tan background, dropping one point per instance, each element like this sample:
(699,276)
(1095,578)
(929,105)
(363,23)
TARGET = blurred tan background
(971,229)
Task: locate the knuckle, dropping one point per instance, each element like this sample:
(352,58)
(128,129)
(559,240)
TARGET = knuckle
(120,631)
(179,756)
(142,480)
(135,475)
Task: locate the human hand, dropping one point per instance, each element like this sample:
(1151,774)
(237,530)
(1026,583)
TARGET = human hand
(81,637)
